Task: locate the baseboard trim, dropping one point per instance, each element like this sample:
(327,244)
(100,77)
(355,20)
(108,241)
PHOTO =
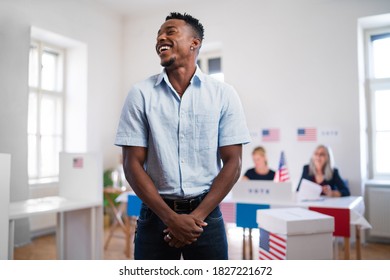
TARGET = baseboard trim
(42,232)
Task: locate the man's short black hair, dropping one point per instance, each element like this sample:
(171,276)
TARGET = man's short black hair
(193,22)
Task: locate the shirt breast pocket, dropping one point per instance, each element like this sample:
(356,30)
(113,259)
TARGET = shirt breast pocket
(206,129)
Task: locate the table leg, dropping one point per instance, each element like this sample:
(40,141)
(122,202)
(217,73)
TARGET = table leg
(133,224)
(243,244)
(118,219)
(11,239)
(93,233)
(347,248)
(60,236)
(127,236)
(336,248)
(250,245)
(358,243)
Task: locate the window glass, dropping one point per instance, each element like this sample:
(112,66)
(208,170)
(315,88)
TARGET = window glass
(32,156)
(382,110)
(48,113)
(50,63)
(381,57)
(32,113)
(214,65)
(382,148)
(50,149)
(45,110)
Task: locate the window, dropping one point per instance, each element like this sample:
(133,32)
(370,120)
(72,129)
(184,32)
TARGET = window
(211,63)
(378,87)
(45,111)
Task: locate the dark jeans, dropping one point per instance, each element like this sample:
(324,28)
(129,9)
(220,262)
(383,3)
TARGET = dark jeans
(150,244)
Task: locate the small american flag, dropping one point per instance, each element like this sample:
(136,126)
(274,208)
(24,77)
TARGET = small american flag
(270,135)
(78,162)
(282,174)
(272,246)
(228,210)
(307,134)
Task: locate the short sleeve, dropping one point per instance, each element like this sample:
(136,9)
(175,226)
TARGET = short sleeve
(133,126)
(248,174)
(232,125)
(339,183)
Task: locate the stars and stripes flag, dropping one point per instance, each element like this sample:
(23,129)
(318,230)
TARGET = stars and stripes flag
(270,135)
(272,246)
(228,210)
(307,134)
(282,174)
(78,162)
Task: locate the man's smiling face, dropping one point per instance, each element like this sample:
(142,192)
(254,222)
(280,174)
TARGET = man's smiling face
(174,41)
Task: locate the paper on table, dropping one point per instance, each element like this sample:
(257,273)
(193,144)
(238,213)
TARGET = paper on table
(309,190)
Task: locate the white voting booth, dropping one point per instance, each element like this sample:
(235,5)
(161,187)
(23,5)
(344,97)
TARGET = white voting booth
(295,234)
(5,169)
(256,191)
(81,179)
(79,208)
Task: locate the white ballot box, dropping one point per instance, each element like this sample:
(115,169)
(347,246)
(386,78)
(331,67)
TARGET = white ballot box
(295,234)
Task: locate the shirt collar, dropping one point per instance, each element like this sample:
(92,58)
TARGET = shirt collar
(198,75)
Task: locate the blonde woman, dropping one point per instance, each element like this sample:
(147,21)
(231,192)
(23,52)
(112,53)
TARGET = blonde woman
(261,170)
(322,171)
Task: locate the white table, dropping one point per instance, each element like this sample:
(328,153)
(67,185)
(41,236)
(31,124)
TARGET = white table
(58,205)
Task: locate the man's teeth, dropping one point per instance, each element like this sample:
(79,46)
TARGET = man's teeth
(164,48)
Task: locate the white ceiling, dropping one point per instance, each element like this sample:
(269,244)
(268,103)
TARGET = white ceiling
(133,7)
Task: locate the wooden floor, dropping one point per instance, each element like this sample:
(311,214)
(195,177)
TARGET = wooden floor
(44,248)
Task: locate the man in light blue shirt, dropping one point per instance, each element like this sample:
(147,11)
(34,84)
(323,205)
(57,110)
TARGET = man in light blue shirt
(176,130)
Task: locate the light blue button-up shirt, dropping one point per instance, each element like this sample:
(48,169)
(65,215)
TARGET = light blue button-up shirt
(182,134)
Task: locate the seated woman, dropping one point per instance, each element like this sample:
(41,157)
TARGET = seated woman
(321,171)
(261,170)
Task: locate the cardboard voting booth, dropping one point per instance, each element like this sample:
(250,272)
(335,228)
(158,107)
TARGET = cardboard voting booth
(81,180)
(256,194)
(295,234)
(255,191)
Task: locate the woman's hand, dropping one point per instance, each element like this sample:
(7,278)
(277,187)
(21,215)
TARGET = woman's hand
(327,190)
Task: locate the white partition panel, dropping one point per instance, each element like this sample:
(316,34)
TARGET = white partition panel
(81,179)
(5,170)
(81,176)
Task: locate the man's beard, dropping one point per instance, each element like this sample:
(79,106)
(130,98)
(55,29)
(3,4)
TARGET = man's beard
(169,62)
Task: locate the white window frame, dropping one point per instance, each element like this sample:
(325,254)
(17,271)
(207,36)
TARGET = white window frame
(372,85)
(39,179)
(204,57)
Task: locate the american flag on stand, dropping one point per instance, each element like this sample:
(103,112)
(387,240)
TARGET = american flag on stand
(282,174)
(272,246)
(307,134)
(270,135)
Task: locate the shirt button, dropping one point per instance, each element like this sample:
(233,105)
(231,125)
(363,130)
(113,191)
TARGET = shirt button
(182,161)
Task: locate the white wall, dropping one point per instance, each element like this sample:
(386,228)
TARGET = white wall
(294,64)
(84,21)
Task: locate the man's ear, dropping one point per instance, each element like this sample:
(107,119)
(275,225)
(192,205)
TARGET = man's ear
(196,43)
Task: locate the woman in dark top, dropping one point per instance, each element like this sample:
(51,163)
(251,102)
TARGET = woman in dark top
(261,170)
(321,171)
